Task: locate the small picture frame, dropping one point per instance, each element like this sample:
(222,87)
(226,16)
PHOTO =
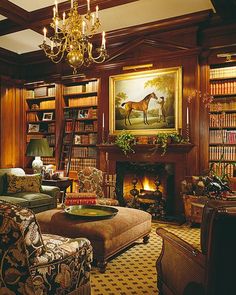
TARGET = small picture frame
(82,114)
(33,128)
(77,139)
(47,116)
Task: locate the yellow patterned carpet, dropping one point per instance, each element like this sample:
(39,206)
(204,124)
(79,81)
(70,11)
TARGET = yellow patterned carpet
(133,272)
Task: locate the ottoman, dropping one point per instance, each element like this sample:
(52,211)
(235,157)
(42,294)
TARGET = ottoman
(108,236)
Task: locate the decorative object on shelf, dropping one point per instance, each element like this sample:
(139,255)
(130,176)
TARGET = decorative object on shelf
(38,148)
(72,37)
(125,141)
(164,139)
(33,128)
(216,188)
(146,102)
(47,116)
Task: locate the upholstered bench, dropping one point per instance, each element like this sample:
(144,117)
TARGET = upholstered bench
(108,236)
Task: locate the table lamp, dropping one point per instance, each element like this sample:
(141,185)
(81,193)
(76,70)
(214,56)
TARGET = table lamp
(38,148)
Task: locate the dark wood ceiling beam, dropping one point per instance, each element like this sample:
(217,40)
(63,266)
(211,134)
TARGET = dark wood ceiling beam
(14,12)
(8,27)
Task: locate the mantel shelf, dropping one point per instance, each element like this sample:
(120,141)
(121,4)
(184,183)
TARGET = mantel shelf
(149,148)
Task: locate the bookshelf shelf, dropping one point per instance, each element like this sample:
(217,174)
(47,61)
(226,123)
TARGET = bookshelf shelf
(222,125)
(80,94)
(40,98)
(40,114)
(40,110)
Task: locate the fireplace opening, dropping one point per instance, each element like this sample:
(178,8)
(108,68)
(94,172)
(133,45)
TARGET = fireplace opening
(148,186)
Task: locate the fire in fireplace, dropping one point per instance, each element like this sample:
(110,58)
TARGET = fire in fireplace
(147,184)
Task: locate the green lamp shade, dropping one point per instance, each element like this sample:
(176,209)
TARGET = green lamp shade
(39,148)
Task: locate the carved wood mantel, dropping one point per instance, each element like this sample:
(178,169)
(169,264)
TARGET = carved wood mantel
(176,154)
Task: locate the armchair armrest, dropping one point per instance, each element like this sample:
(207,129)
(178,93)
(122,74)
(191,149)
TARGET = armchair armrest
(180,266)
(52,191)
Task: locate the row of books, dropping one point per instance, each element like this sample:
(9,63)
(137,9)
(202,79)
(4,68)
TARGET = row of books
(81,126)
(51,127)
(49,161)
(221,168)
(227,153)
(78,201)
(84,152)
(85,139)
(51,139)
(226,72)
(41,91)
(83,101)
(77,164)
(227,105)
(223,120)
(90,113)
(89,87)
(222,136)
(223,87)
(47,104)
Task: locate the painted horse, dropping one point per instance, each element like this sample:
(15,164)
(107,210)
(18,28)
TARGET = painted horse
(141,106)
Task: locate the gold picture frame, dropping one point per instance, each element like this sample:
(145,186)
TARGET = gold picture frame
(146,103)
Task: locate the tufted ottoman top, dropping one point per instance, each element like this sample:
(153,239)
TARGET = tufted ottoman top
(107,236)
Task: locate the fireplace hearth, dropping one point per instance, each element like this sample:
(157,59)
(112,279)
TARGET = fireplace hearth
(147,186)
(176,159)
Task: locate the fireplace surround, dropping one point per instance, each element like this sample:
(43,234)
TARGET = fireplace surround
(110,157)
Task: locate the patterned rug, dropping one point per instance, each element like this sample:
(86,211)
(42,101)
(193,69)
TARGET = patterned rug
(133,272)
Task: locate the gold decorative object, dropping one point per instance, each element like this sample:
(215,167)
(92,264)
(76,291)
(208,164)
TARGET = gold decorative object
(137,67)
(72,37)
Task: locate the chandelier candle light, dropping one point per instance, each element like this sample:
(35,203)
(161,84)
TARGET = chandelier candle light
(72,35)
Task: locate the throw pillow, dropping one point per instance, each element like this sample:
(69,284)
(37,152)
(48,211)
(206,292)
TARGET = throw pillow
(26,183)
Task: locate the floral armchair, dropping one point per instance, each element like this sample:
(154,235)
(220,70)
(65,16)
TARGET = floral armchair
(93,180)
(35,263)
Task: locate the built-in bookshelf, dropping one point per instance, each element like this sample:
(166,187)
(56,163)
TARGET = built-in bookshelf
(41,115)
(222,124)
(81,104)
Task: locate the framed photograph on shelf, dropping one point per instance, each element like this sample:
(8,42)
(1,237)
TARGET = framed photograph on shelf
(82,114)
(146,103)
(33,128)
(77,139)
(47,116)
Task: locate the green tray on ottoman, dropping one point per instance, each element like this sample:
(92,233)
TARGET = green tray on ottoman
(93,212)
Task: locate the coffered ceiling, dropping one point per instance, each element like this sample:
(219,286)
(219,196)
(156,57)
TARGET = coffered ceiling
(22,21)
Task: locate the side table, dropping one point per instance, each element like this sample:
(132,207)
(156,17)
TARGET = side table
(63,184)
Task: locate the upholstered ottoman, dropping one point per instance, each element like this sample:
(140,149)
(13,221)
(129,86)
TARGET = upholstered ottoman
(107,236)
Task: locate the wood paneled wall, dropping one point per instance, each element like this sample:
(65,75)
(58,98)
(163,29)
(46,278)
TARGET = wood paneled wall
(11,129)
(189,41)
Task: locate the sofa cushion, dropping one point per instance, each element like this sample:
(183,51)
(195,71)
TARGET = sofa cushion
(3,177)
(19,201)
(34,199)
(3,183)
(26,183)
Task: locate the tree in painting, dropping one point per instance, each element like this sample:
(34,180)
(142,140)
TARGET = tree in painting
(166,84)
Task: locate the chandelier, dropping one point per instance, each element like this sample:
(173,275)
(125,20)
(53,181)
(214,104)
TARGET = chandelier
(72,35)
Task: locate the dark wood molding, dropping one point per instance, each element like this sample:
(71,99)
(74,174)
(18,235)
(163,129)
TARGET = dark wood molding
(14,13)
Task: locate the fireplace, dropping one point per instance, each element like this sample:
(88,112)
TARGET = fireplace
(111,159)
(153,182)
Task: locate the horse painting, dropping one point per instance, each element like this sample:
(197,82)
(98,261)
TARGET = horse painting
(141,106)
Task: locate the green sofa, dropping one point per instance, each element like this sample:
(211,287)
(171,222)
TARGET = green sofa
(37,201)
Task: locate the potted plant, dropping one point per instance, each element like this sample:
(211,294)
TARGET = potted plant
(125,141)
(164,139)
